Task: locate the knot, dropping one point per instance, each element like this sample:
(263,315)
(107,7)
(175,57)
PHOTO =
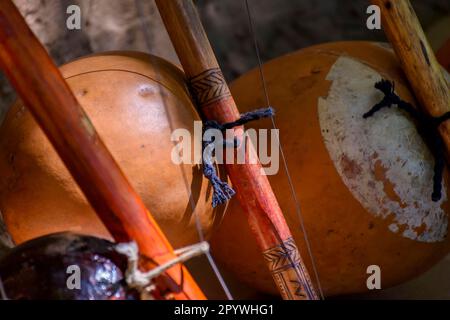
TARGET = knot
(143,281)
(133,276)
(222,192)
(427,127)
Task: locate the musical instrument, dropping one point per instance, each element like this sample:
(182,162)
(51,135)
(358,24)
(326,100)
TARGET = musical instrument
(364,185)
(214,102)
(424,73)
(55,108)
(123,212)
(135,101)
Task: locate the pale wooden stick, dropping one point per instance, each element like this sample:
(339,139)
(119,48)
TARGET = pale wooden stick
(419,63)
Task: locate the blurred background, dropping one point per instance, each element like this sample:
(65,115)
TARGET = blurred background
(282,26)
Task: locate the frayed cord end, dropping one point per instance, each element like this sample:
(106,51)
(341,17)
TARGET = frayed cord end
(222,192)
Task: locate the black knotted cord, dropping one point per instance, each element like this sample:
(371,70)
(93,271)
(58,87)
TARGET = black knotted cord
(427,127)
(222,192)
(283,157)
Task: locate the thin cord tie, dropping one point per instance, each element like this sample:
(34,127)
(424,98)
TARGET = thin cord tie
(143,281)
(427,127)
(222,192)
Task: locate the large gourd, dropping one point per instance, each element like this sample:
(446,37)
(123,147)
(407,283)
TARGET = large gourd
(364,185)
(135,101)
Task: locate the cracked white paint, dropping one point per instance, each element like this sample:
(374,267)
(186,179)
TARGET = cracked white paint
(382,160)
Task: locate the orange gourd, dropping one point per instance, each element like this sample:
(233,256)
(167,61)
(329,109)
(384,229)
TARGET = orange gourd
(364,185)
(135,101)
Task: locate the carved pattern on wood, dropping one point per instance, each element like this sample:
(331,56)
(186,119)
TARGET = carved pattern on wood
(209,86)
(288,271)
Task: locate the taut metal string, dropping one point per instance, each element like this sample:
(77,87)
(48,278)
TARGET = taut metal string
(200,232)
(285,165)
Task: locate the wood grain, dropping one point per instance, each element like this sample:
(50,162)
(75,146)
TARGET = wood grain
(403,29)
(39,83)
(254,192)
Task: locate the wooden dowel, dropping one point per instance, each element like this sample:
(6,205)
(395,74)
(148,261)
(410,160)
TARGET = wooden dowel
(45,93)
(253,190)
(402,28)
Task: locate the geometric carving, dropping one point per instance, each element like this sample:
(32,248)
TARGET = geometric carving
(289,272)
(209,86)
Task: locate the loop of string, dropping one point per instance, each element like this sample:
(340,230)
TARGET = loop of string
(285,165)
(143,281)
(427,128)
(212,263)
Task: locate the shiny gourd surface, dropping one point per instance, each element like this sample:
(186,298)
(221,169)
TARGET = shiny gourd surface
(364,186)
(135,101)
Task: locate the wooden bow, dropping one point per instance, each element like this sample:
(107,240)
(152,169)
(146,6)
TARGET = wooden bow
(45,93)
(402,27)
(214,102)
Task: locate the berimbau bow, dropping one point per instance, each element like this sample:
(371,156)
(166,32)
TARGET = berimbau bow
(214,102)
(403,29)
(45,93)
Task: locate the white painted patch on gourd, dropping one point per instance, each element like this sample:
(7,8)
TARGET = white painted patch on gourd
(385,146)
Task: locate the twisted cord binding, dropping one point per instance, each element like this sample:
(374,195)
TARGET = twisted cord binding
(222,192)
(143,281)
(427,127)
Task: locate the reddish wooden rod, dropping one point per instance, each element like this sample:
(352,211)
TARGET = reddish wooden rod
(50,100)
(253,189)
